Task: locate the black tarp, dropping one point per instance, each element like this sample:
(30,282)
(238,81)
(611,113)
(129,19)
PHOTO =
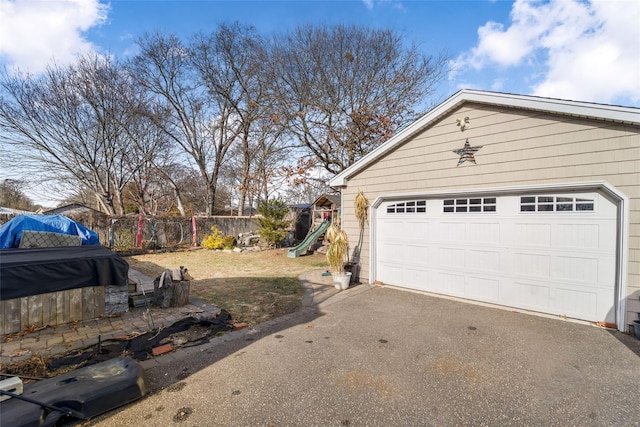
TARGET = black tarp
(25,272)
(141,347)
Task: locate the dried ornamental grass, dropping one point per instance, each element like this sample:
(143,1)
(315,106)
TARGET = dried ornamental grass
(361,206)
(338,251)
(331,233)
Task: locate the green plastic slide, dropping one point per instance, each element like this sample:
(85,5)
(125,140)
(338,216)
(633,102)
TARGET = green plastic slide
(311,238)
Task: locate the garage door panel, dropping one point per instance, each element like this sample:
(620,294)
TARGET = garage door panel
(576,303)
(581,269)
(415,278)
(391,230)
(481,232)
(418,231)
(404,231)
(483,289)
(483,260)
(561,263)
(449,257)
(415,254)
(391,252)
(607,241)
(578,236)
(607,272)
(532,296)
(532,234)
(390,273)
(450,232)
(450,284)
(534,265)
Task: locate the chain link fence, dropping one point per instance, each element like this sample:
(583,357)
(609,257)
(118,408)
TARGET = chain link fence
(129,233)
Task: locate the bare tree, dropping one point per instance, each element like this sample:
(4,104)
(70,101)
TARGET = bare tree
(153,188)
(80,125)
(229,62)
(12,196)
(343,90)
(201,125)
(192,189)
(233,63)
(233,105)
(169,179)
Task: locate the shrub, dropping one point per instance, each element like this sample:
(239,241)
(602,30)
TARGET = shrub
(273,226)
(124,239)
(214,240)
(229,242)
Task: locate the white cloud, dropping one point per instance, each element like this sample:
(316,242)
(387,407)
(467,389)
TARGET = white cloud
(396,4)
(34,32)
(497,85)
(565,49)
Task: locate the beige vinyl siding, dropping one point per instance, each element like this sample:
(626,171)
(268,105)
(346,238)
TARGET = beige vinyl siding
(519,148)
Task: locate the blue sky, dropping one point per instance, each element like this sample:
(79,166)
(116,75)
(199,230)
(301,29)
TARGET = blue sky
(581,50)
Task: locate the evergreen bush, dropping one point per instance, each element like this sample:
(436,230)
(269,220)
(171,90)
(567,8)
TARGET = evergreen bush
(273,226)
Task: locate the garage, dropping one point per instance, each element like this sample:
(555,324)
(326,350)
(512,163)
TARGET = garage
(514,200)
(551,253)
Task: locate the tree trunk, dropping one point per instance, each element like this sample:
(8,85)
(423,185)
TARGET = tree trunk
(176,193)
(120,203)
(106,205)
(211,198)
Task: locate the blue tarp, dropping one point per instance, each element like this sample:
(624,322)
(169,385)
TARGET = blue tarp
(11,232)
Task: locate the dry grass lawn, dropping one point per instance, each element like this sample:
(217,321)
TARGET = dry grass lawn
(253,286)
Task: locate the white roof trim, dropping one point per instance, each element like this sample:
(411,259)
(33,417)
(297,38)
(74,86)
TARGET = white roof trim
(628,115)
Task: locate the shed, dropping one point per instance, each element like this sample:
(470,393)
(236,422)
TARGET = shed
(519,201)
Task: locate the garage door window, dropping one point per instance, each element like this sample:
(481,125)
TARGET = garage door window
(555,204)
(479,204)
(413,206)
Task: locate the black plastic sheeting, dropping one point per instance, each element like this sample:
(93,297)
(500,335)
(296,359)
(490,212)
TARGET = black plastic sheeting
(26,272)
(83,393)
(141,346)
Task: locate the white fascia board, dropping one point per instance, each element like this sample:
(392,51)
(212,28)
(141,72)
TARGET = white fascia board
(627,115)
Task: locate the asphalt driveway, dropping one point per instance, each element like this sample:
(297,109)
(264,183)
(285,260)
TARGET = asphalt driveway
(386,357)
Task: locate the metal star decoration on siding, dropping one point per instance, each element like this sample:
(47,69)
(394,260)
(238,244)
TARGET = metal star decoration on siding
(466,153)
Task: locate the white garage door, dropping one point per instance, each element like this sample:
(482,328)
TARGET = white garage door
(552,253)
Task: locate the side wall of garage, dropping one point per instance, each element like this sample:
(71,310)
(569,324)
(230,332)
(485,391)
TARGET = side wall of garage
(519,148)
